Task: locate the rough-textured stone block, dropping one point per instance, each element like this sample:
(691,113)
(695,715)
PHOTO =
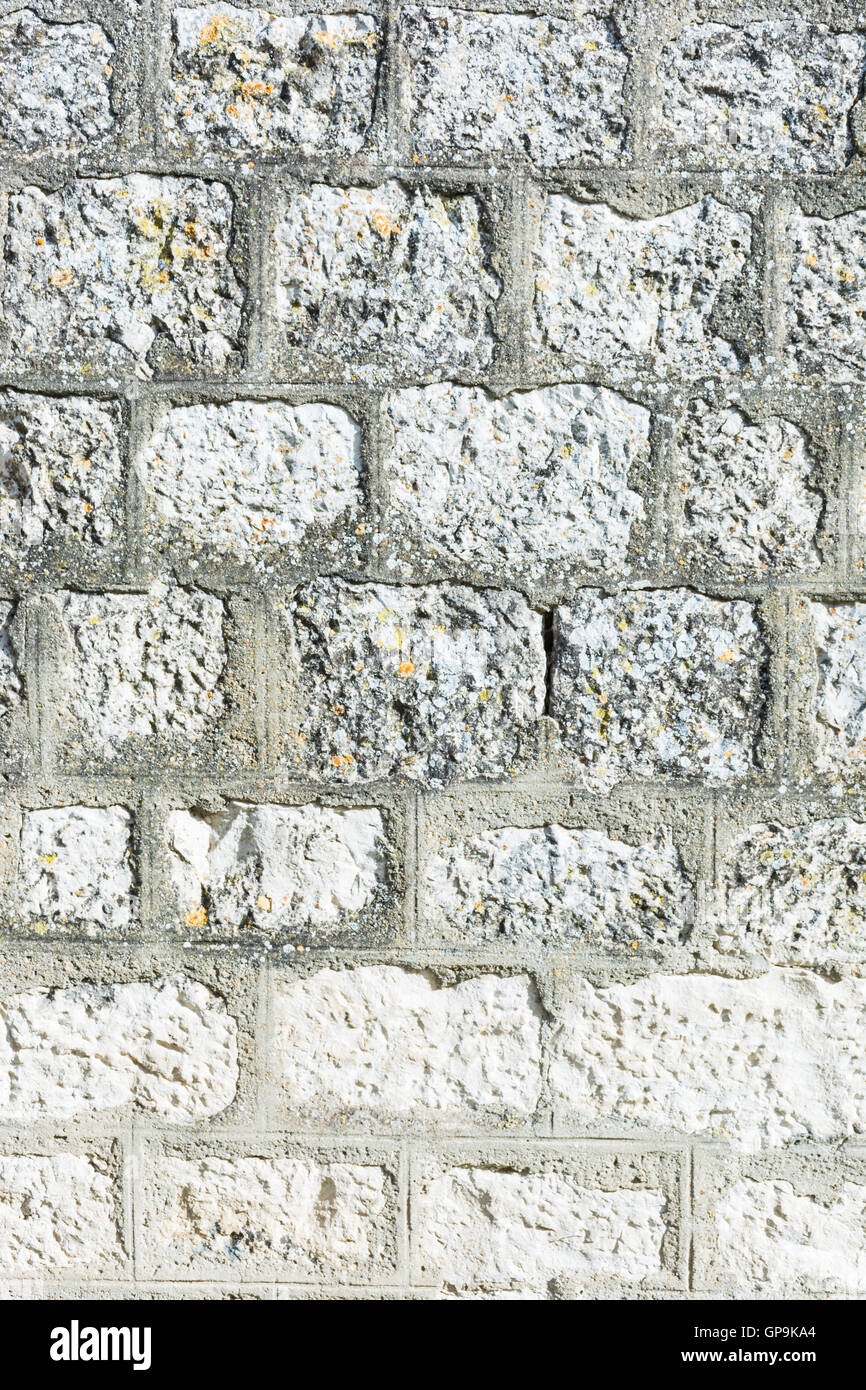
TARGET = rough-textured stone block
(555,884)
(840,694)
(139,666)
(11,683)
(167,1048)
(773,1240)
(60,469)
(613,289)
(277,867)
(550,88)
(825,296)
(797,895)
(252,475)
(759,1062)
(57,1213)
(777,94)
(493,1229)
(390,273)
(281,84)
(536,479)
(76,867)
(750,497)
(311,1218)
(56,84)
(657,682)
(122,274)
(432,682)
(384,1040)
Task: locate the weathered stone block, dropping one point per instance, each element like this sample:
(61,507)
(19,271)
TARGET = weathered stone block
(277,868)
(555,884)
(658,682)
(494,1230)
(309,1218)
(166,1048)
(615,290)
(56,81)
(123,275)
(825,296)
(432,682)
(535,480)
(758,1062)
(393,1042)
(58,1213)
(60,470)
(280,84)
(252,476)
(550,88)
(387,273)
(76,868)
(751,500)
(840,694)
(774,94)
(797,895)
(774,1240)
(139,666)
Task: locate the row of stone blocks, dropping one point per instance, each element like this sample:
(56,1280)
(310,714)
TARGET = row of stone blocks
(603,85)
(418,275)
(360,1219)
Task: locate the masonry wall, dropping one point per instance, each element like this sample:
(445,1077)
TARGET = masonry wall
(433,657)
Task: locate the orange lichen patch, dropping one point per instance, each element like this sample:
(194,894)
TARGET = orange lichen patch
(406,668)
(62,277)
(216,29)
(196,917)
(383,224)
(343,760)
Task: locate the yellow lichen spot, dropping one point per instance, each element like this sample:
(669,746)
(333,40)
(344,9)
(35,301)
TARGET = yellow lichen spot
(196,917)
(47,858)
(383,224)
(62,277)
(263,903)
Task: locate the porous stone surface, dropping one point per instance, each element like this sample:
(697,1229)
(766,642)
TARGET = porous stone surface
(57,1213)
(658,682)
(825,295)
(396,1043)
(750,495)
(251,80)
(741,1060)
(431,683)
(493,1230)
(56,81)
(310,1218)
(252,474)
(166,1048)
(11,683)
(772,1238)
(838,706)
(76,867)
(777,93)
(549,88)
(617,290)
(60,469)
(534,479)
(554,884)
(141,666)
(277,867)
(402,275)
(797,895)
(432,601)
(122,274)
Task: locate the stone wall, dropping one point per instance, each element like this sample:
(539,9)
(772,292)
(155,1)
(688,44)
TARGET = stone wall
(433,651)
